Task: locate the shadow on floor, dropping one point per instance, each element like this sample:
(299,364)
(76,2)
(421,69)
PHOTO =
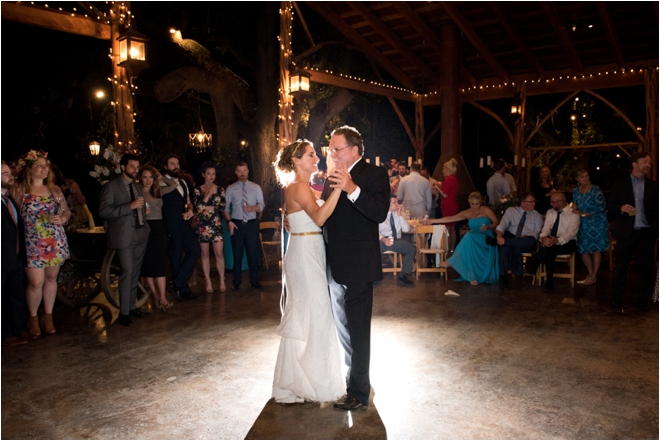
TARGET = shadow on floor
(316,421)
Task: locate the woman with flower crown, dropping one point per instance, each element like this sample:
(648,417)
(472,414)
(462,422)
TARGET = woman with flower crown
(44,211)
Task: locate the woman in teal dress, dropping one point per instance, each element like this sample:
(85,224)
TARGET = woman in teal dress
(474,259)
(592,238)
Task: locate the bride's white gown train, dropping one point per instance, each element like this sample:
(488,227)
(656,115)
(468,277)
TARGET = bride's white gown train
(308,364)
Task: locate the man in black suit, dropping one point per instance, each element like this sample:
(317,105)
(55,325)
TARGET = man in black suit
(353,255)
(121,206)
(14,324)
(183,245)
(634,199)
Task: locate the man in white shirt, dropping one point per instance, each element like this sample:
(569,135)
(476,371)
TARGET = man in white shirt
(497,186)
(414,192)
(517,233)
(558,236)
(390,232)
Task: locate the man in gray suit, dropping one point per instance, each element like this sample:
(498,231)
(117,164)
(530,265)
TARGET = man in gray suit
(121,205)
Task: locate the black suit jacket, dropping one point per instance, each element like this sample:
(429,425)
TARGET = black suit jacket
(351,232)
(621,194)
(12,233)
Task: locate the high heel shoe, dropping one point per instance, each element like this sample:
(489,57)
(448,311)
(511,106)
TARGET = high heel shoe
(223,287)
(164,306)
(47,324)
(33,326)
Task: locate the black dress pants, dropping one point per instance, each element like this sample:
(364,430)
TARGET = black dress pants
(642,243)
(547,256)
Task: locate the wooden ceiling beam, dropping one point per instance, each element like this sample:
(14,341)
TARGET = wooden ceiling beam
(520,43)
(562,35)
(611,34)
(335,20)
(54,20)
(476,41)
(428,35)
(395,41)
(358,85)
(547,87)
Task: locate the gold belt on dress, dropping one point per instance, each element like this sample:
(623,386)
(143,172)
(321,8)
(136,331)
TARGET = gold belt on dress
(310,233)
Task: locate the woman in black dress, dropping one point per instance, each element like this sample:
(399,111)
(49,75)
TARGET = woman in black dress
(543,189)
(209,202)
(154,265)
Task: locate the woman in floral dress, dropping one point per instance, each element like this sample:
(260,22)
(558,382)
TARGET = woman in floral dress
(209,202)
(44,211)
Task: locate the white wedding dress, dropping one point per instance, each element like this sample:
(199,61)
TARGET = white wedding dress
(308,364)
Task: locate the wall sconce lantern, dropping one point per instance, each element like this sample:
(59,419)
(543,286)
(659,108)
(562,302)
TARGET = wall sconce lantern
(95,148)
(133,52)
(299,82)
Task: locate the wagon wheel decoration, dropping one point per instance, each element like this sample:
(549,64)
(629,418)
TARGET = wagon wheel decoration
(110,272)
(77,284)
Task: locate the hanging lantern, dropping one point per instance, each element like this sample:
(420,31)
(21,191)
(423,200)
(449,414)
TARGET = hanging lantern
(95,148)
(133,52)
(200,141)
(299,82)
(516,106)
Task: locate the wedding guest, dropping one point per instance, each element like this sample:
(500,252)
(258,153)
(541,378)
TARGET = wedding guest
(593,238)
(209,202)
(474,259)
(543,189)
(154,264)
(244,202)
(634,200)
(449,199)
(44,211)
(497,185)
(435,192)
(14,311)
(391,239)
(414,193)
(183,247)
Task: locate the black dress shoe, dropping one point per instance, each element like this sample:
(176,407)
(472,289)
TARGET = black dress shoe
(504,283)
(124,320)
(258,286)
(190,296)
(491,241)
(349,403)
(176,292)
(235,287)
(137,313)
(548,287)
(403,279)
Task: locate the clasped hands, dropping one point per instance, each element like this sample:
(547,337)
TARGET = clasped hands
(549,241)
(342,179)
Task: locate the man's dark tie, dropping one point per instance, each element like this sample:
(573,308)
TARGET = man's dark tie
(555,227)
(521,224)
(392,226)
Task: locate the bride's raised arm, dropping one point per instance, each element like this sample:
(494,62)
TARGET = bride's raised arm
(301,194)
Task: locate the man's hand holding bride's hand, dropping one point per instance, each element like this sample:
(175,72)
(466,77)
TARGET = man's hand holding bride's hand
(342,179)
(285,223)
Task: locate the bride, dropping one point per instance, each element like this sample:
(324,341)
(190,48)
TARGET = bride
(308,364)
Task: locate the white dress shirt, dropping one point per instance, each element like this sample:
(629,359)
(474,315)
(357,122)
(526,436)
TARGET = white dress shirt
(569,224)
(511,219)
(400,224)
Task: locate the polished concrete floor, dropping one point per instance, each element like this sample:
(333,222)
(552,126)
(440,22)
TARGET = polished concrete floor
(486,364)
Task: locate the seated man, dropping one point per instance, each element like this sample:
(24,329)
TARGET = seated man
(390,238)
(557,237)
(517,233)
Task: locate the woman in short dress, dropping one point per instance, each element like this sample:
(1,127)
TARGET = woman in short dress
(154,265)
(543,190)
(448,199)
(209,202)
(44,211)
(593,238)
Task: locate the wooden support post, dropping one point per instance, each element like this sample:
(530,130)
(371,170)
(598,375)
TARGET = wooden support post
(419,128)
(286,100)
(121,87)
(651,135)
(519,139)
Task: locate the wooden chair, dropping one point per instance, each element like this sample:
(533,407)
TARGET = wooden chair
(267,225)
(610,252)
(397,263)
(525,258)
(423,250)
(561,258)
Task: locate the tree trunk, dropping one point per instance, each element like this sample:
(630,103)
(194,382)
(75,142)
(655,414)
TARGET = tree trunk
(321,114)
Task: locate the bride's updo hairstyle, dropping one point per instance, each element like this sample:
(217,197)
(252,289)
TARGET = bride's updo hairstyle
(284,166)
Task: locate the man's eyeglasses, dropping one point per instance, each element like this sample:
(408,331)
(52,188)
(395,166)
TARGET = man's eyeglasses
(533,201)
(336,150)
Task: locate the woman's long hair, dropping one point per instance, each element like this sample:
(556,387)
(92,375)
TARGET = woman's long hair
(550,181)
(25,177)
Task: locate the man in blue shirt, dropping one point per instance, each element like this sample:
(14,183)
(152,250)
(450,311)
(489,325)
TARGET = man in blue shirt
(634,200)
(245,201)
(517,233)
